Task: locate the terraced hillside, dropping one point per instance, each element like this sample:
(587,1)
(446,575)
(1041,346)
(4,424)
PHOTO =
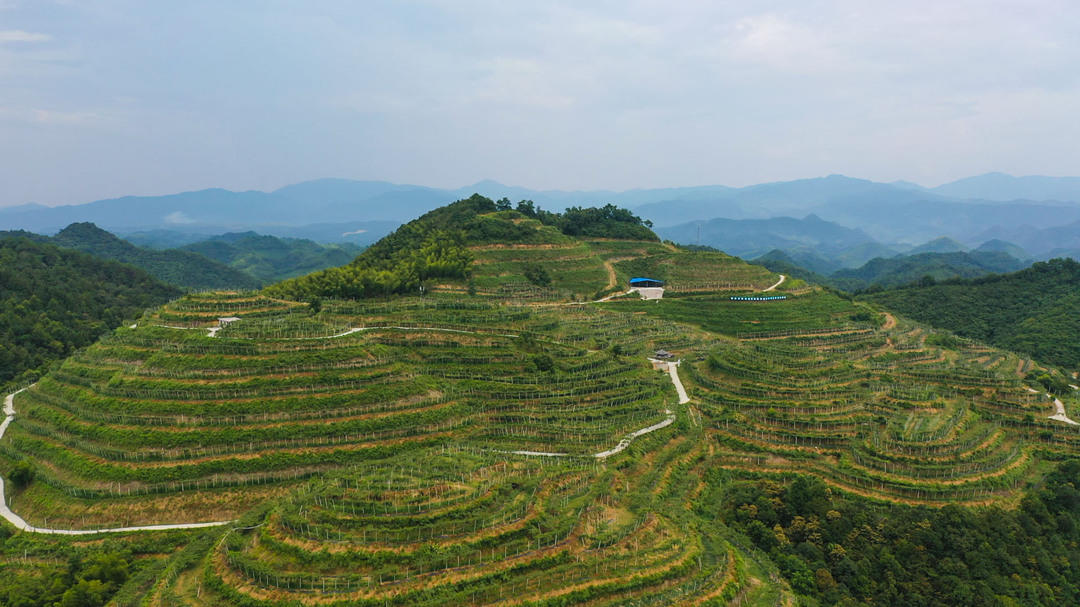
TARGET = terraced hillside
(877,412)
(512,447)
(214,424)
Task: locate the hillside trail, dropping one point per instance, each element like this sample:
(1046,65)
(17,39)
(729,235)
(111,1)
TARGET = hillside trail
(778,283)
(21,524)
(890,322)
(1061,416)
(672,370)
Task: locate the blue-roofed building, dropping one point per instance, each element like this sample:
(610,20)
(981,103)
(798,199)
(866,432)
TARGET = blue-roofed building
(645,283)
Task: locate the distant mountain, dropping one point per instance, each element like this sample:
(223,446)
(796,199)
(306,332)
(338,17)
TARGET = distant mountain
(1001,246)
(753,237)
(906,269)
(1036,310)
(1043,243)
(780,198)
(180,268)
(855,256)
(1003,187)
(55,300)
(782,262)
(269,258)
(943,244)
(907,185)
(889,212)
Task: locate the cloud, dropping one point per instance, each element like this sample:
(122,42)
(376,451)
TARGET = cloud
(22,36)
(178,217)
(63,118)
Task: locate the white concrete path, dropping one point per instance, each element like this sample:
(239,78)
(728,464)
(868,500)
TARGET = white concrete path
(20,523)
(778,283)
(672,369)
(623,444)
(1061,416)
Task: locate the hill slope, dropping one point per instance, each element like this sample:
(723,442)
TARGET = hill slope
(54,301)
(181,268)
(441,246)
(906,269)
(269,258)
(1036,310)
(507,446)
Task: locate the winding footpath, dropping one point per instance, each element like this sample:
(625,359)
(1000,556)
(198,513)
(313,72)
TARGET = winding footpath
(1059,407)
(778,283)
(1061,416)
(673,372)
(21,524)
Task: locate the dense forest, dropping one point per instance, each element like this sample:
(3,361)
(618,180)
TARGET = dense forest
(435,245)
(270,258)
(176,267)
(846,551)
(53,301)
(1036,311)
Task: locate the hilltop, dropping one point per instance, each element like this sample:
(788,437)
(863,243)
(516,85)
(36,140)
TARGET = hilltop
(506,436)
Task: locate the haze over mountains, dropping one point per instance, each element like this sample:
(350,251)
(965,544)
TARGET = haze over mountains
(1040,215)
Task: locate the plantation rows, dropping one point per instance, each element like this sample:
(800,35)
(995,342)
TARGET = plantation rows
(910,424)
(129,417)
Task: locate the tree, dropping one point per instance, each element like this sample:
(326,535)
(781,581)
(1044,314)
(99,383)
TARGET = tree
(22,473)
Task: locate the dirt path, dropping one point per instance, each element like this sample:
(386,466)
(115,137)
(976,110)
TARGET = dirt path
(21,524)
(890,322)
(778,283)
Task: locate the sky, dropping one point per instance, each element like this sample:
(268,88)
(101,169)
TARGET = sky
(103,98)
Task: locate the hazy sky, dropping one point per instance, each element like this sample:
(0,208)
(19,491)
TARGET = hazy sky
(112,97)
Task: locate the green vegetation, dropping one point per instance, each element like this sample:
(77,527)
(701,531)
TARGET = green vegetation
(173,266)
(440,247)
(909,269)
(493,442)
(38,571)
(839,550)
(269,258)
(54,301)
(882,272)
(1032,311)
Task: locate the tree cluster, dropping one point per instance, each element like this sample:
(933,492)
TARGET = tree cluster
(53,301)
(848,551)
(1036,311)
(435,246)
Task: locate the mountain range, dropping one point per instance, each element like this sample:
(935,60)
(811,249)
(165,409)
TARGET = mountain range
(1040,214)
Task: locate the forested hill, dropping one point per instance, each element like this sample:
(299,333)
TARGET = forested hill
(436,246)
(177,267)
(1036,311)
(885,272)
(271,258)
(912,268)
(54,300)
